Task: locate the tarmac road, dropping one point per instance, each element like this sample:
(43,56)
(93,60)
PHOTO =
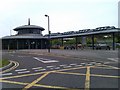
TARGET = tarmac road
(67,70)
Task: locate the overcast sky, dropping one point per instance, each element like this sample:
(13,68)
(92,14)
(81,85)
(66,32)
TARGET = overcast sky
(65,15)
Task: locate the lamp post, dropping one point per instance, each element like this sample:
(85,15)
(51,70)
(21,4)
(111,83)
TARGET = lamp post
(48,33)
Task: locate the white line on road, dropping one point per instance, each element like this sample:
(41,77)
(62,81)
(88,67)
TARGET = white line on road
(106,62)
(43,60)
(50,66)
(41,70)
(79,65)
(20,70)
(49,61)
(67,66)
(82,63)
(46,59)
(57,68)
(37,68)
(6,74)
(63,65)
(73,64)
(23,72)
(37,59)
(113,59)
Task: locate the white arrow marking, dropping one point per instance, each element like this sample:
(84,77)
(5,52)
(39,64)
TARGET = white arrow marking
(43,60)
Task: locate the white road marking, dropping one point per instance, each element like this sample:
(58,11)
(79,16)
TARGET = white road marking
(73,64)
(50,66)
(37,59)
(79,65)
(57,68)
(113,59)
(82,63)
(23,72)
(41,70)
(106,62)
(49,61)
(67,66)
(43,60)
(20,70)
(63,65)
(99,63)
(6,74)
(37,68)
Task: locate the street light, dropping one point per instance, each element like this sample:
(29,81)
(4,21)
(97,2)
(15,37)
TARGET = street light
(48,33)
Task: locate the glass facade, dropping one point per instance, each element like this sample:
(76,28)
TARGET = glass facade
(29,31)
(11,44)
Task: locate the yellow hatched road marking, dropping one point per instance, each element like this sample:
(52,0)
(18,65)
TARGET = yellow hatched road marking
(40,73)
(54,71)
(103,67)
(107,67)
(70,73)
(107,76)
(35,81)
(97,75)
(87,81)
(13,82)
(57,87)
(111,67)
(88,76)
(38,85)
(57,71)
(24,75)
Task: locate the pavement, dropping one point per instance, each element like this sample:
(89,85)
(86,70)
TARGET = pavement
(112,55)
(62,69)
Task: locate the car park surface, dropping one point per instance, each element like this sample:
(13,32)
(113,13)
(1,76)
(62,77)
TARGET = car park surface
(67,73)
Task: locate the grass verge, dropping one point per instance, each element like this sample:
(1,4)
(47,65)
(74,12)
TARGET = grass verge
(3,62)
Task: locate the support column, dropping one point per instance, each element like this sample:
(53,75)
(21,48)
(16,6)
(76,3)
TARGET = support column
(17,44)
(28,44)
(62,41)
(41,44)
(36,44)
(8,47)
(76,43)
(50,43)
(93,42)
(113,45)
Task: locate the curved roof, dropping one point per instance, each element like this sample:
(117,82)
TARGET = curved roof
(29,27)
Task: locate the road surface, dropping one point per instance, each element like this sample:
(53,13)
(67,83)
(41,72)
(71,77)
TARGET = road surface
(56,71)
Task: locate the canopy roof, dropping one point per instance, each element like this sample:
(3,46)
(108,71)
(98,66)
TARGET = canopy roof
(26,36)
(28,27)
